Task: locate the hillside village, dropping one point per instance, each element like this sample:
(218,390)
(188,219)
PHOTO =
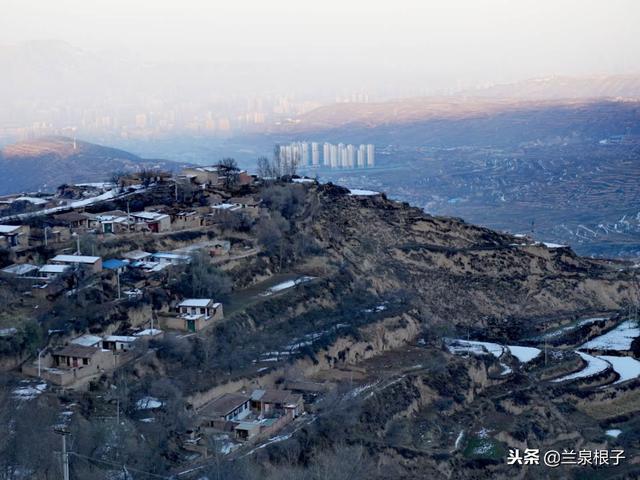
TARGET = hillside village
(82,243)
(218,314)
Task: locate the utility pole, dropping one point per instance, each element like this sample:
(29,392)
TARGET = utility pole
(62,431)
(118,277)
(39,360)
(468,343)
(545,351)
(65,458)
(128,217)
(77,243)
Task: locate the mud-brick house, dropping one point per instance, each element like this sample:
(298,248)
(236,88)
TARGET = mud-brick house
(247,204)
(119,343)
(206,176)
(229,407)
(277,403)
(69,364)
(152,221)
(83,358)
(19,270)
(146,177)
(194,314)
(247,430)
(224,208)
(14,236)
(50,272)
(51,236)
(244,178)
(75,220)
(94,264)
(137,256)
(77,356)
(187,219)
(113,222)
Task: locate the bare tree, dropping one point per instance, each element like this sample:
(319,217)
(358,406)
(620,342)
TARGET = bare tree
(290,167)
(117,179)
(344,462)
(278,167)
(202,279)
(231,171)
(147,175)
(264,168)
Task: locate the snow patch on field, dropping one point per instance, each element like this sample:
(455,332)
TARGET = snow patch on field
(524,354)
(358,192)
(594,366)
(626,367)
(29,392)
(506,369)
(620,338)
(474,347)
(553,245)
(148,403)
(569,328)
(285,285)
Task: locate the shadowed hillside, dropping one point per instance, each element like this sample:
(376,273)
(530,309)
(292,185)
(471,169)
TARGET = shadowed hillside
(48,162)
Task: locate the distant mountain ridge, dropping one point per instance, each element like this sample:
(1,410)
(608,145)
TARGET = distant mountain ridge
(525,101)
(47,162)
(452,122)
(563,87)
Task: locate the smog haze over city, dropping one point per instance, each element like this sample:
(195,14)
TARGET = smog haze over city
(131,69)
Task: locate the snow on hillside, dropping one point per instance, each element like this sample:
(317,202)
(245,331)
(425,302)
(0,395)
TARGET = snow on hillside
(620,338)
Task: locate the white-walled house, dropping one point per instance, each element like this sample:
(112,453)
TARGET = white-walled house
(194,314)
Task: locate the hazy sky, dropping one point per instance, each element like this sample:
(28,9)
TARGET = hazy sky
(478,40)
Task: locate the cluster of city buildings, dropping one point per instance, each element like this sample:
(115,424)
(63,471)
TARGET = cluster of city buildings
(218,117)
(327,155)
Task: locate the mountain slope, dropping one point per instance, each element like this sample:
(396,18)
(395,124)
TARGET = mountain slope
(449,122)
(559,87)
(460,273)
(48,162)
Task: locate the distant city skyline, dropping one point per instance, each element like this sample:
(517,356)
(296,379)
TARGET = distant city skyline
(307,155)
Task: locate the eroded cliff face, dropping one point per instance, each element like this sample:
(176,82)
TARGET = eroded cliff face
(462,274)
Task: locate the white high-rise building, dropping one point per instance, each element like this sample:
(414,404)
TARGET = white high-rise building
(326,154)
(304,154)
(335,159)
(342,155)
(371,155)
(315,154)
(362,156)
(289,151)
(351,156)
